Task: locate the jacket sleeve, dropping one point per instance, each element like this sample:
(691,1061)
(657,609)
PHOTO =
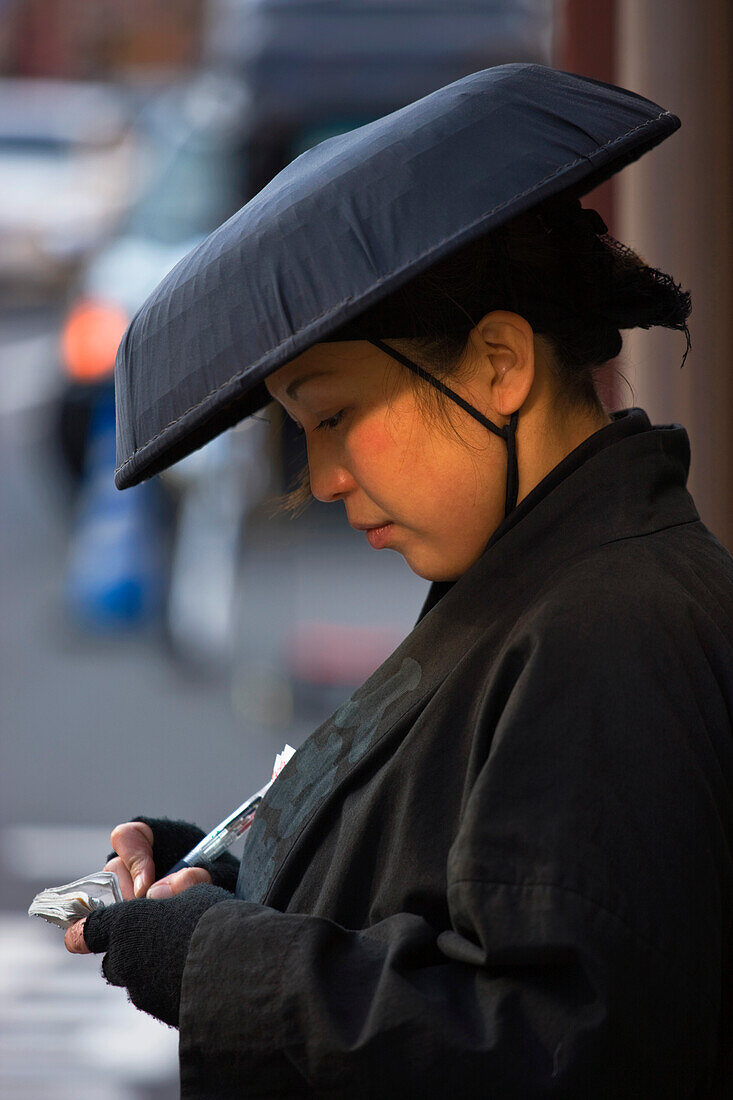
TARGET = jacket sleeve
(584,951)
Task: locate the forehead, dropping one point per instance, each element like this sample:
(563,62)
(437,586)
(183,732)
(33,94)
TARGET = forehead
(332,359)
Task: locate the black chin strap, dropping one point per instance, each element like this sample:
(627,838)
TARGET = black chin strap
(508,433)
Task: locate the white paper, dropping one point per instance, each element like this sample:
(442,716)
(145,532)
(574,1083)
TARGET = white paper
(281,760)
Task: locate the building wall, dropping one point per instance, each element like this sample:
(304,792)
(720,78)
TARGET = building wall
(674,207)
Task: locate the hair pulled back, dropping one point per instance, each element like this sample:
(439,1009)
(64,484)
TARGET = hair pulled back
(555,265)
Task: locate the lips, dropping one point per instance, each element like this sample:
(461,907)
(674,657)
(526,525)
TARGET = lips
(370,526)
(377,534)
(378,537)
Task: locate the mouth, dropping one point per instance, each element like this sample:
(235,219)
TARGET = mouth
(378,537)
(370,526)
(377,533)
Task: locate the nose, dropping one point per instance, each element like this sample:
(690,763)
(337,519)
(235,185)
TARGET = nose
(329,478)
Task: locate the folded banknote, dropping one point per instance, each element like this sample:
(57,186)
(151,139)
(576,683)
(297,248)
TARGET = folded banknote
(63,905)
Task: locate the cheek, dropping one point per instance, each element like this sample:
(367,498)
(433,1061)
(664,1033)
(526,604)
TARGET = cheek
(370,437)
(376,456)
(427,481)
(458,496)
(405,472)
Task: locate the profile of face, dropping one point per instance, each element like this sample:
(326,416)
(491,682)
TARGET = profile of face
(436,494)
(432,494)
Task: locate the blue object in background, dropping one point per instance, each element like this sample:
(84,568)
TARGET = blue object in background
(114,576)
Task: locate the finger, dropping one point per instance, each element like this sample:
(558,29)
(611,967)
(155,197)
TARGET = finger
(123,877)
(133,842)
(74,939)
(171,885)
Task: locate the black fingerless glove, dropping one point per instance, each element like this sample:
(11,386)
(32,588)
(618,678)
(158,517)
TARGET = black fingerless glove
(173,839)
(146,943)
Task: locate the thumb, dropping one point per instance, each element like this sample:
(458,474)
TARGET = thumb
(133,842)
(174,884)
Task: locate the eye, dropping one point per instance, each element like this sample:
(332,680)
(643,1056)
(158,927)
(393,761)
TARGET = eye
(332,422)
(325,425)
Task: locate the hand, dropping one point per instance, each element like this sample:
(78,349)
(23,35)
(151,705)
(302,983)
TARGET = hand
(134,865)
(146,945)
(168,887)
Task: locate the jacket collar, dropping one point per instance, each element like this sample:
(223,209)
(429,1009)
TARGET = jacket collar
(626,479)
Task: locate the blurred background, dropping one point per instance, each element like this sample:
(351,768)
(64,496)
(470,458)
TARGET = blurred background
(159,646)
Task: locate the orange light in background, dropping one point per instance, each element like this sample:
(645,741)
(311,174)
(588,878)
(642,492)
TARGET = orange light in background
(90,339)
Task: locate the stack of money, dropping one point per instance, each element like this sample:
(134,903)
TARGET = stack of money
(63,905)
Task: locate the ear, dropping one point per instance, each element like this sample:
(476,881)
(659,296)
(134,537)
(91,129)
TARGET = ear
(504,342)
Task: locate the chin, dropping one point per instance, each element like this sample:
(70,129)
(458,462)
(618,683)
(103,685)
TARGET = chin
(439,567)
(432,571)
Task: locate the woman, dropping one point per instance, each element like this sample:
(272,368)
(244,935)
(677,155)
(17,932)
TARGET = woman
(503,866)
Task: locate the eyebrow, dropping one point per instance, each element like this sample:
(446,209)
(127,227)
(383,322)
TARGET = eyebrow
(295,385)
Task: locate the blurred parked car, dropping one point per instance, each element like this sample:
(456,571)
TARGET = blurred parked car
(66,173)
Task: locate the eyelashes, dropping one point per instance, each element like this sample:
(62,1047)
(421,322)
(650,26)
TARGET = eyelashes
(331,422)
(325,425)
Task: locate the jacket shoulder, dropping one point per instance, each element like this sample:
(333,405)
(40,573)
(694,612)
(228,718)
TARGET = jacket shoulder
(678,577)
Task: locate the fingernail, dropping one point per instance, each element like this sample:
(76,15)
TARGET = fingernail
(138,884)
(160,890)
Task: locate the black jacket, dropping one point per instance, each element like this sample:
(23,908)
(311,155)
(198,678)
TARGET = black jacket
(504,867)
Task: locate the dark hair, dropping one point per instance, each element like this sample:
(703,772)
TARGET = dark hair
(556,266)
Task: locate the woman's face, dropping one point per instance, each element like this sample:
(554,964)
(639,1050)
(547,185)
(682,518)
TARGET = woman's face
(414,486)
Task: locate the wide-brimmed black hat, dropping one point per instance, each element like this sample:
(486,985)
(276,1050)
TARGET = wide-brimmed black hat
(346,224)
